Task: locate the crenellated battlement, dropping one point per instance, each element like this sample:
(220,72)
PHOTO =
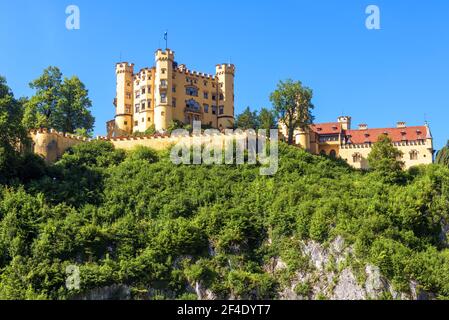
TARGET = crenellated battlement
(225,68)
(164,55)
(59,134)
(124,67)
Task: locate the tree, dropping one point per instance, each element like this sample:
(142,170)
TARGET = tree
(12,134)
(247,120)
(443,156)
(292,105)
(72,111)
(383,159)
(267,119)
(59,104)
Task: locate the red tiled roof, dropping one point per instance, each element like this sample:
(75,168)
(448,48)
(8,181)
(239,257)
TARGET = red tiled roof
(395,134)
(326,128)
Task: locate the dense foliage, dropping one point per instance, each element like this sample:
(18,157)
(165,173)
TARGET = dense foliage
(265,119)
(139,220)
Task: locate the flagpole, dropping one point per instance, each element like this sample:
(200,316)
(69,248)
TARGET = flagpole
(166,39)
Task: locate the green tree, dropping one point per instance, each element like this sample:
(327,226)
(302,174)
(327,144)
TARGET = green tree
(267,119)
(383,159)
(247,120)
(59,104)
(12,134)
(292,105)
(443,156)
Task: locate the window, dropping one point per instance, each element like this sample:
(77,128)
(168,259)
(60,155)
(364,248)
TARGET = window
(413,155)
(137,94)
(173,102)
(193,105)
(214,97)
(143,119)
(163,97)
(125,123)
(192,91)
(221,96)
(214,109)
(136,123)
(143,90)
(137,108)
(173,89)
(128,84)
(127,108)
(206,95)
(143,105)
(163,83)
(333,154)
(149,89)
(128,95)
(149,103)
(205,83)
(163,70)
(206,108)
(221,110)
(149,119)
(163,113)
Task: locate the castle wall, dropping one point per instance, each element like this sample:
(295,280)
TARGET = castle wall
(424,153)
(51,144)
(163,143)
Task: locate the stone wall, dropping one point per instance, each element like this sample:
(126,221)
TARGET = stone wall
(52,144)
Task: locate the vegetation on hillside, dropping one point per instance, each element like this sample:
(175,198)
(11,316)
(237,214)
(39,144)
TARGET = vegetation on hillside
(137,219)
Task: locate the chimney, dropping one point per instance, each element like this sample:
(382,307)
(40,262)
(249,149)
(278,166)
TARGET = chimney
(400,124)
(363,126)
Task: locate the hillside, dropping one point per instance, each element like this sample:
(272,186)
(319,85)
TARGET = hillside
(140,227)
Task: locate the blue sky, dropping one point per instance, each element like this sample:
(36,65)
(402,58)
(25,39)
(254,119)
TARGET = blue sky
(379,77)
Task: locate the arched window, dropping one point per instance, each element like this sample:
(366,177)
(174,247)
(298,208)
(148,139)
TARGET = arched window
(333,154)
(322,153)
(192,105)
(192,91)
(413,155)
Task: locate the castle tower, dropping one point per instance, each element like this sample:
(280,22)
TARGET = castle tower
(124,99)
(345,122)
(163,113)
(225,97)
(302,138)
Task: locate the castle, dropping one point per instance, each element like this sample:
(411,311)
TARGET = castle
(155,97)
(337,139)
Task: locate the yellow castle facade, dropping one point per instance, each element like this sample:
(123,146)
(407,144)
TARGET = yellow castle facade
(167,92)
(338,139)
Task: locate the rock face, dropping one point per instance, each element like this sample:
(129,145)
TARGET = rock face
(114,292)
(329,276)
(325,281)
